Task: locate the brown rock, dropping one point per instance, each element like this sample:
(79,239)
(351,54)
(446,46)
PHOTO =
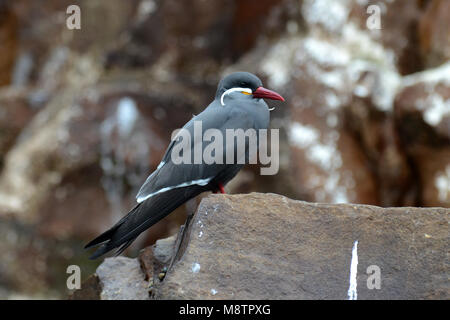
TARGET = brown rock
(378,139)
(434,33)
(330,167)
(122,279)
(156,260)
(422,116)
(87,135)
(15,113)
(434,173)
(251,18)
(398,33)
(265,246)
(90,289)
(8,39)
(146,261)
(425,101)
(327,161)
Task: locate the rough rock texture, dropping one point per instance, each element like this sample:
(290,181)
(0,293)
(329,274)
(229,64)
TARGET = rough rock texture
(422,115)
(15,113)
(434,33)
(8,39)
(92,290)
(122,279)
(266,246)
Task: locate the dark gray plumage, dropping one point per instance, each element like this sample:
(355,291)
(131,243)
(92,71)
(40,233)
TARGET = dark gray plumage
(171,185)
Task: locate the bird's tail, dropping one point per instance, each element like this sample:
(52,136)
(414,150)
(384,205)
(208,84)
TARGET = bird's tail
(105,239)
(141,217)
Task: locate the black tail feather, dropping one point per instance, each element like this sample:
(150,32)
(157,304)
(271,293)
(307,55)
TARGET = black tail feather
(123,247)
(140,218)
(107,235)
(100,251)
(101,239)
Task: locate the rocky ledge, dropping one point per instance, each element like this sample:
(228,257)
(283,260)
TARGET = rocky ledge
(266,246)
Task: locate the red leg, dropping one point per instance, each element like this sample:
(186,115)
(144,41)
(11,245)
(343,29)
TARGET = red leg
(221,188)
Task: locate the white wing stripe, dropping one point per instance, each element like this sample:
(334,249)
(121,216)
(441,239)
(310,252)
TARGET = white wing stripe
(200,182)
(160,165)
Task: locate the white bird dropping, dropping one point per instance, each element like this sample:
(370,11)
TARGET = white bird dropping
(352,292)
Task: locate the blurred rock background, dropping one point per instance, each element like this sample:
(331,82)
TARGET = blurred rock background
(85,115)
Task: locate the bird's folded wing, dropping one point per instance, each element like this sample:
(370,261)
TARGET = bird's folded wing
(169,175)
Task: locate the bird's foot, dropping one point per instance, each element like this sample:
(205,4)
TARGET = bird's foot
(221,188)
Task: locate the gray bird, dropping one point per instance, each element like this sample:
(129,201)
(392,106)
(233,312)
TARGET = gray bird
(238,104)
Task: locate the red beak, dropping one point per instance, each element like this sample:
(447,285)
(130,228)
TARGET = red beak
(262,92)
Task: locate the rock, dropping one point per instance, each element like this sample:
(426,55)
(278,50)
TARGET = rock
(397,33)
(84,138)
(197,38)
(266,246)
(328,165)
(425,99)
(156,260)
(90,289)
(164,250)
(122,279)
(326,158)
(422,116)
(15,114)
(9,40)
(44,153)
(384,156)
(256,21)
(146,260)
(435,175)
(434,30)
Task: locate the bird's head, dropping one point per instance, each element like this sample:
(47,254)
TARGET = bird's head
(247,84)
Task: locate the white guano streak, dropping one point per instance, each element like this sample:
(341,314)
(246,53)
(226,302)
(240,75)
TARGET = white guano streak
(352,292)
(233,90)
